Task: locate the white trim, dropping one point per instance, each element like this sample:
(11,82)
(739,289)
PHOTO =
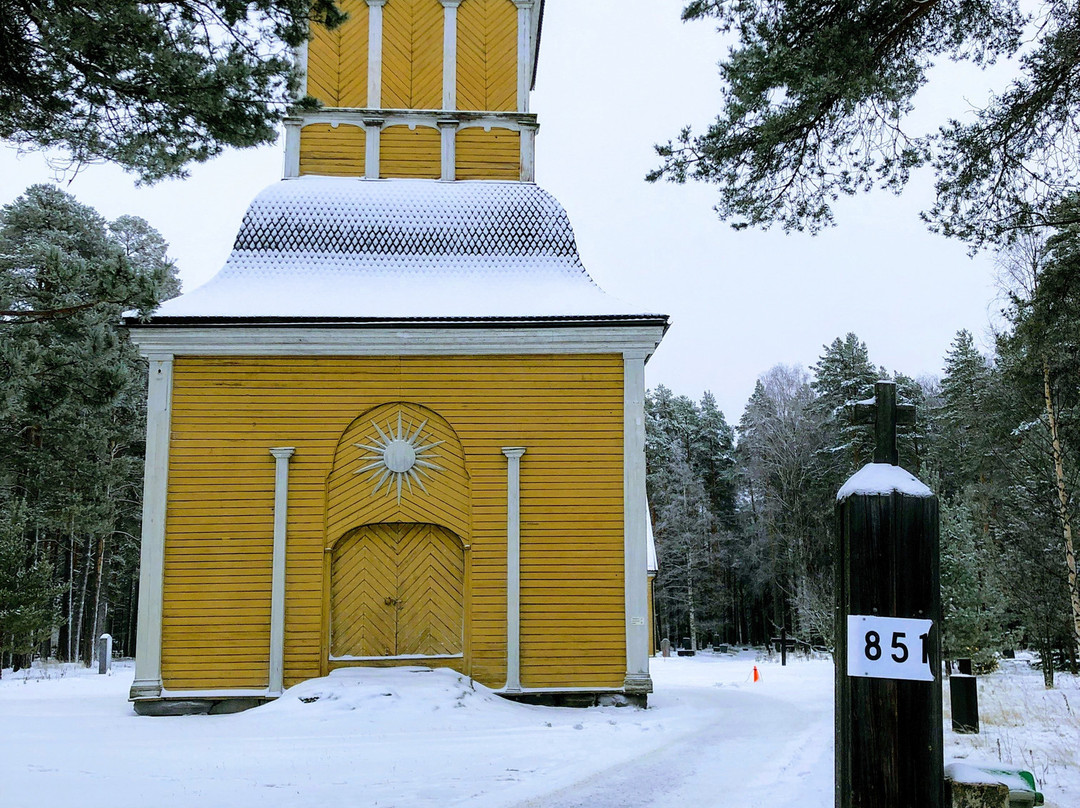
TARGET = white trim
(300,54)
(372,148)
(635,547)
(404,340)
(448,130)
(375,40)
(293,127)
(147,682)
(542,690)
(450,54)
(277,585)
(528,154)
(513,568)
(217,694)
(516,121)
(399,657)
(524,53)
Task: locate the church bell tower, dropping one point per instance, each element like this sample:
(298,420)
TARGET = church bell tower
(421,89)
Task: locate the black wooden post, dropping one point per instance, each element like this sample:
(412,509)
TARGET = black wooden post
(889,744)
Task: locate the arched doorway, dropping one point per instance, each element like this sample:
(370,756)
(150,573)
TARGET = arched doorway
(397,590)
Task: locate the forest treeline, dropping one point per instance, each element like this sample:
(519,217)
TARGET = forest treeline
(72,422)
(744,513)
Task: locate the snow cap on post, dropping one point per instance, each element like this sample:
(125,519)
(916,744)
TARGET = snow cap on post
(883,479)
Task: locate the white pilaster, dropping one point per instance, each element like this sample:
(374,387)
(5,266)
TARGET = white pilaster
(524,55)
(375,40)
(300,55)
(448,129)
(147,682)
(293,128)
(634,511)
(528,153)
(513,568)
(449,75)
(373,133)
(277,580)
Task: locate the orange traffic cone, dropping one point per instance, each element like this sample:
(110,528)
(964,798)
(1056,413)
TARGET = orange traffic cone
(757,676)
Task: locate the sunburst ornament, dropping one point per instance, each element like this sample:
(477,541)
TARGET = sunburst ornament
(399,456)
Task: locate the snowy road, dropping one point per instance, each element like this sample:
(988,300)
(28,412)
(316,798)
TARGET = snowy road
(712,737)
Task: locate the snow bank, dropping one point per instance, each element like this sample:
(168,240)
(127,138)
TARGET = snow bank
(883,479)
(405,697)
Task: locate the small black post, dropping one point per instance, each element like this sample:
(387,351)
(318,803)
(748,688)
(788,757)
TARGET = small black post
(783,645)
(889,737)
(964,699)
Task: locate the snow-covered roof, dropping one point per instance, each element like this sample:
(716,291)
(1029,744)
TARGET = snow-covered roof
(342,248)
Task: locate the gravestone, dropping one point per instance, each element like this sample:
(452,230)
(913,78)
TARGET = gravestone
(665,647)
(104,653)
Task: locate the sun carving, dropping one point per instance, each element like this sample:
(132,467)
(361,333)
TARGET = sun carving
(399,456)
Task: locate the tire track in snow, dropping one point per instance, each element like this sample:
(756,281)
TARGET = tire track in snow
(709,766)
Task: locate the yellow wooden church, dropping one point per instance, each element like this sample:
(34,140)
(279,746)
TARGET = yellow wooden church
(402,426)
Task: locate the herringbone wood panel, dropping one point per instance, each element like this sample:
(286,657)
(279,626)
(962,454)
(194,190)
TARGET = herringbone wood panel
(397,590)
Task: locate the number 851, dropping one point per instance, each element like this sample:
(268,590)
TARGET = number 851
(872,649)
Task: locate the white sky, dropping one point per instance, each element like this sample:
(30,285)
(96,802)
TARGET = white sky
(616,77)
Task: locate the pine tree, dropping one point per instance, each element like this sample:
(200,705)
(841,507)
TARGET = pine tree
(72,412)
(818,99)
(152,87)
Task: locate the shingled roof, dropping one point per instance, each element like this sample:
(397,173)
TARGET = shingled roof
(333,248)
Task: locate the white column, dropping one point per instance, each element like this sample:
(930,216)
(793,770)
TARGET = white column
(513,568)
(448,129)
(524,56)
(634,510)
(373,133)
(293,128)
(147,682)
(528,153)
(277,580)
(375,39)
(449,74)
(300,55)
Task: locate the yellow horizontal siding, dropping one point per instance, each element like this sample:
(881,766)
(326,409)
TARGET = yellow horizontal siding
(227,415)
(410,153)
(494,155)
(332,152)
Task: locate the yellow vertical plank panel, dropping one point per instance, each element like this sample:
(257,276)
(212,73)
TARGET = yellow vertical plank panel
(410,153)
(323,58)
(354,54)
(502,72)
(337,61)
(412,54)
(332,152)
(494,155)
(487,56)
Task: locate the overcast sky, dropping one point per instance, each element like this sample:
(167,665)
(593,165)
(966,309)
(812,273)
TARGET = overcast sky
(616,77)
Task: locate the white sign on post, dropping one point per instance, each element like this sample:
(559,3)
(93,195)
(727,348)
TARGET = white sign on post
(889,648)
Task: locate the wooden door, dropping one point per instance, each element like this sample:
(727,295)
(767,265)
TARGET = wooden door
(397,590)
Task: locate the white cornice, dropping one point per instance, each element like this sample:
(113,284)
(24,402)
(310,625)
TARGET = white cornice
(637,340)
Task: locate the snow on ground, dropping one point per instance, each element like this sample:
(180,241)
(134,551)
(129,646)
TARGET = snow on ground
(410,737)
(1024,724)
